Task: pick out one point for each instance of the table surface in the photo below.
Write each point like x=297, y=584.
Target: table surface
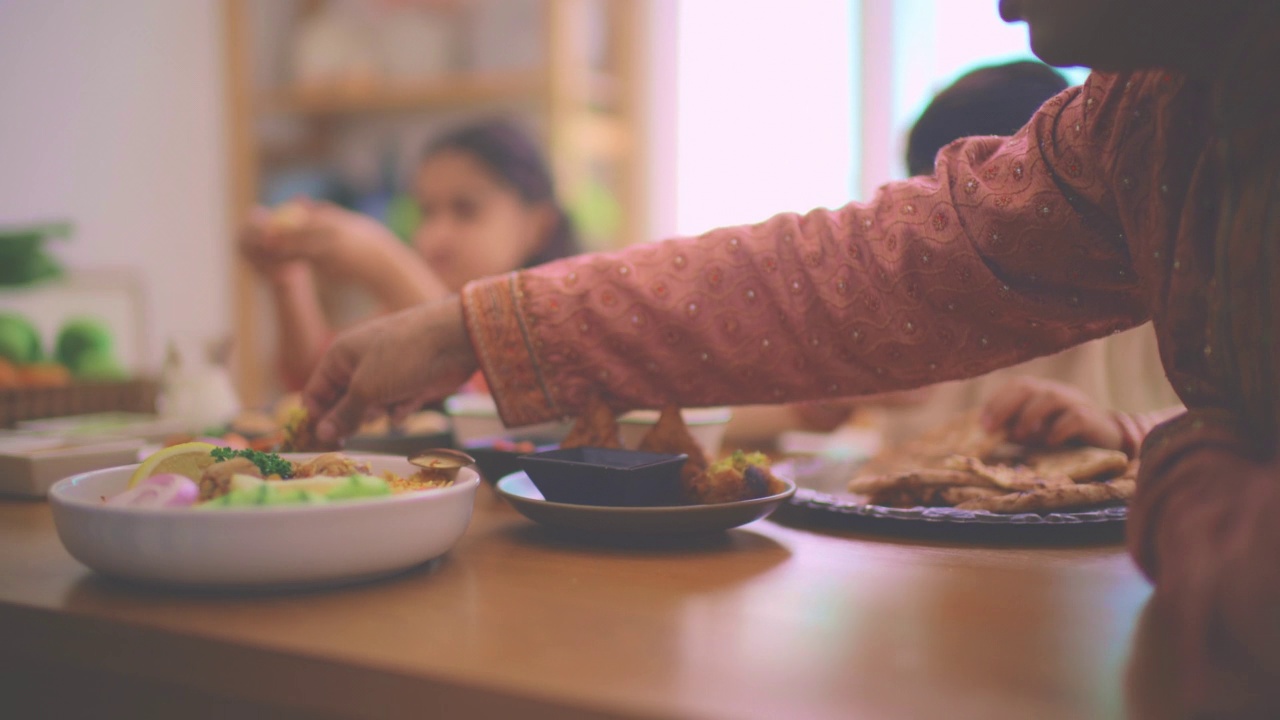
x=771, y=620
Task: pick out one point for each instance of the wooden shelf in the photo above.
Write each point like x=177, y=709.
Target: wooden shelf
x=463, y=91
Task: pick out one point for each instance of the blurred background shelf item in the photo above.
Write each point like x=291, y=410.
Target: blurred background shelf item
x=442, y=93
x=19, y=405
x=335, y=99
x=110, y=298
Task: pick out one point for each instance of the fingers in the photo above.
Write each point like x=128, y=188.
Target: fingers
x=342, y=420
x=1067, y=428
x=401, y=411
x=1004, y=406
x=328, y=382
x=1035, y=416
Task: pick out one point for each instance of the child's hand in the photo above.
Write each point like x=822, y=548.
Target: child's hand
x=1049, y=414
x=257, y=247
x=319, y=234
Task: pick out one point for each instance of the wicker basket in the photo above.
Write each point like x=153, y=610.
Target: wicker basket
x=77, y=399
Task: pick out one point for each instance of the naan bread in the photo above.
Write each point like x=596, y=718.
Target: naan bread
x=1055, y=499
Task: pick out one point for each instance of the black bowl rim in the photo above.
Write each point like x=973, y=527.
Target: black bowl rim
x=662, y=459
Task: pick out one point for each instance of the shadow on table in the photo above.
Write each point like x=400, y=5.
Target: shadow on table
x=727, y=541
x=95, y=589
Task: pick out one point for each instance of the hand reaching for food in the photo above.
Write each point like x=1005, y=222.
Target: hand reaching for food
x=392, y=365
x=1048, y=414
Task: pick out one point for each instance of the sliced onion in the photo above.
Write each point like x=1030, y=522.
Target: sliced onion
x=164, y=490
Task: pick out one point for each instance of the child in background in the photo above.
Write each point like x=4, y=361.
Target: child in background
x=488, y=206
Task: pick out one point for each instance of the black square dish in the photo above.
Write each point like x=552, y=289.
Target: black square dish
x=605, y=476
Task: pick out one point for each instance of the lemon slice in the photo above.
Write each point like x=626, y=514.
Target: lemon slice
x=189, y=459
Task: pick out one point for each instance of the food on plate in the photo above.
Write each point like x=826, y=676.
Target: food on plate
x=959, y=465
x=330, y=464
x=671, y=435
x=741, y=476
x=1081, y=464
x=163, y=490
x=1060, y=497
x=188, y=459
x=248, y=493
x=1008, y=477
x=595, y=427
x=297, y=432
x=205, y=475
x=269, y=464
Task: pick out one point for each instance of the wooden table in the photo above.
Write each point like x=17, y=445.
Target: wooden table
x=769, y=621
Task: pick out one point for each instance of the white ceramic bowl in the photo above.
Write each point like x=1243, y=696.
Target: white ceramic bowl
x=279, y=546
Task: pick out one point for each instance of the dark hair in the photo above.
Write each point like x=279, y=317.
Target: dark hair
x=994, y=100
x=515, y=161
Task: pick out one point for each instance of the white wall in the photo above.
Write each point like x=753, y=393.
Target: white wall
x=113, y=117
x=765, y=109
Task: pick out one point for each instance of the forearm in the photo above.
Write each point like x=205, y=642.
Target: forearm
x=302, y=328
x=393, y=273
x=1203, y=527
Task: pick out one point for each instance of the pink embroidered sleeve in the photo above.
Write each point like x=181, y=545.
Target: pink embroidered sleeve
x=1004, y=254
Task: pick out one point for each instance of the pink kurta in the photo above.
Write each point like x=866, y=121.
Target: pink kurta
x=1097, y=216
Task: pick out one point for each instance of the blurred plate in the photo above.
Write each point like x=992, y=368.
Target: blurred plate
x=520, y=491
x=818, y=500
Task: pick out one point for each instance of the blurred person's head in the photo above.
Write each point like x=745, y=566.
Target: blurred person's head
x=1117, y=35
x=488, y=205
x=996, y=100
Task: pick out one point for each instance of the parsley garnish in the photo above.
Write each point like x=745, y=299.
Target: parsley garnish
x=269, y=463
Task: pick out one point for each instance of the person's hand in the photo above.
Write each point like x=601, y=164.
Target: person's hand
x=1049, y=414
x=391, y=365
x=317, y=233
x=257, y=247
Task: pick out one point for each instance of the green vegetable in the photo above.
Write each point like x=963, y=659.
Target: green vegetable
x=19, y=340
x=739, y=461
x=251, y=492
x=359, y=486
x=268, y=463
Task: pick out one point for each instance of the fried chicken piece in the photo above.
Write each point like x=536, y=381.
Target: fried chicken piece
x=332, y=465
x=742, y=476
x=216, y=479
x=297, y=432
x=595, y=427
x=670, y=435
x=1057, y=498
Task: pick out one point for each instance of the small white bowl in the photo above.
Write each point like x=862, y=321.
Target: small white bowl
x=475, y=418
x=706, y=425
x=279, y=546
